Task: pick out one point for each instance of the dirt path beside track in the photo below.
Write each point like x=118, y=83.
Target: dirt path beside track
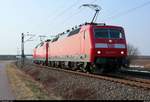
x=5, y=88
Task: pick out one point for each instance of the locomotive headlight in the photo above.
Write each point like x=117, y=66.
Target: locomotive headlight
x=98, y=52
x=122, y=52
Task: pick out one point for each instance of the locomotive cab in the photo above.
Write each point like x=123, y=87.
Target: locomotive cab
x=110, y=49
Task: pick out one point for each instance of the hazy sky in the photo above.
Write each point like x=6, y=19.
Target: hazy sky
x=49, y=17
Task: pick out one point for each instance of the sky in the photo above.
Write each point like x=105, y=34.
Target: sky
x=50, y=17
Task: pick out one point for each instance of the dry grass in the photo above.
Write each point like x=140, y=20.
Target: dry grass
x=142, y=62
x=24, y=87
x=147, y=66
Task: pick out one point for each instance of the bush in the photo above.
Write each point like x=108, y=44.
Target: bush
x=133, y=53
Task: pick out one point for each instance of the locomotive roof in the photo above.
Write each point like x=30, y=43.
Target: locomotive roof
x=76, y=30
x=101, y=24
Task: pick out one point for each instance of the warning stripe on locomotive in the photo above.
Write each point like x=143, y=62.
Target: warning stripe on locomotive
x=105, y=45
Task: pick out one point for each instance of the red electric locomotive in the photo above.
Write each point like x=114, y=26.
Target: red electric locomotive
x=92, y=47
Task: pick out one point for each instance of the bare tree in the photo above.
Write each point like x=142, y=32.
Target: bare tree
x=133, y=52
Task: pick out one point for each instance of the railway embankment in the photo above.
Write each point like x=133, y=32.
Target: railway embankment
x=25, y=87
x=70, y=86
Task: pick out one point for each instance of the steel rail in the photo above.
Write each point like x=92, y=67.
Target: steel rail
x=133, y=82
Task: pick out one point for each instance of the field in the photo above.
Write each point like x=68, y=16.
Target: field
x=142, y=62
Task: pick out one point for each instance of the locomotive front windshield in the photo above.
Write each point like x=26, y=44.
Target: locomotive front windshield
x=109, y=33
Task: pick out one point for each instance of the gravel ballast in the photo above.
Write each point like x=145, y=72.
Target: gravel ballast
x=70, y=86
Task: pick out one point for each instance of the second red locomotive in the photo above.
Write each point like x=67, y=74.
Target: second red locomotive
x=91, y=47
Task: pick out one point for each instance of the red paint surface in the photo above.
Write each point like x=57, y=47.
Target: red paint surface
x=81, y=44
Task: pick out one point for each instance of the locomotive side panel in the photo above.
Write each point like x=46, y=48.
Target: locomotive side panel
x=87, y=44
x=65, y=49
x=76, y=48
x=40, y=52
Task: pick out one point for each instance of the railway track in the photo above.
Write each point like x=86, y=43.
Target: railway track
x=126, y=80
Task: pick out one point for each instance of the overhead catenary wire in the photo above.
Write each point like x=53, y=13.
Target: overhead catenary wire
x=80, y=10
x=112, y=17
x=65, y=11
x=56, y=11
x=56, y=18
x=75, y=14
x=129, y=11
x=93, y=1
